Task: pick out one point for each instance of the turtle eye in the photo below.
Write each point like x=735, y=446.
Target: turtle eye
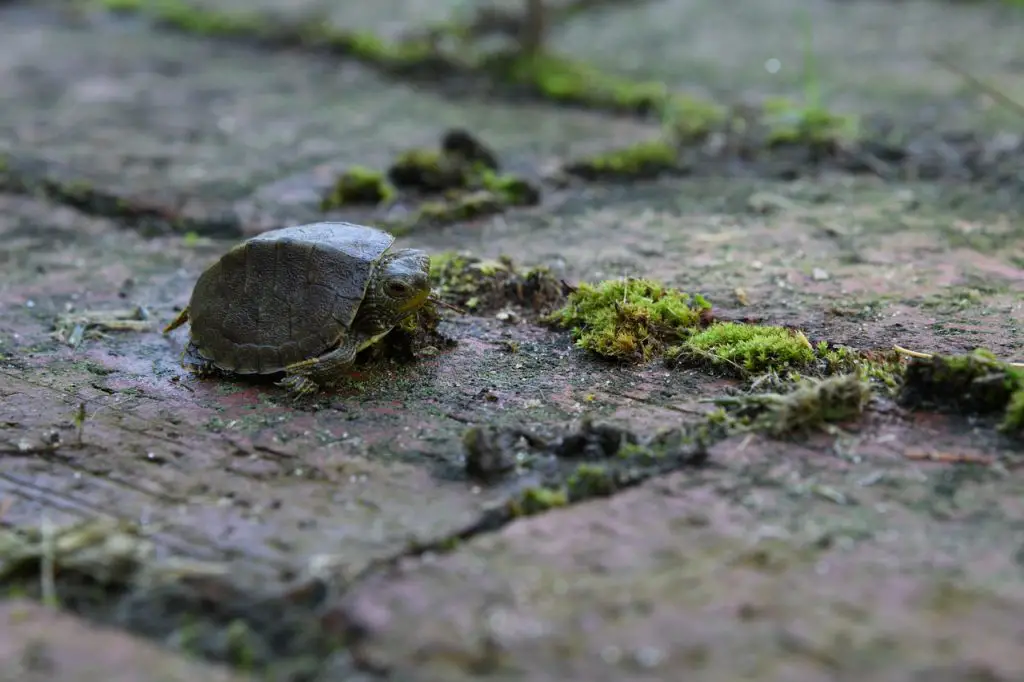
x=397, y=289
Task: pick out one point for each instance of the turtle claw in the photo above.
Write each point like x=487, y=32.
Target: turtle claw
x=300, y=386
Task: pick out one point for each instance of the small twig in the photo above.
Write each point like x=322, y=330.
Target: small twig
x=911, y=353
x=927, y=356
x=449, y=306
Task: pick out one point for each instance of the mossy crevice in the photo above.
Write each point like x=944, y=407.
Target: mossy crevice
x=592, y=460
x=25, y=175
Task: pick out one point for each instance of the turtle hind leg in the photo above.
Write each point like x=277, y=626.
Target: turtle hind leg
x=181, y=319
x=309, y=376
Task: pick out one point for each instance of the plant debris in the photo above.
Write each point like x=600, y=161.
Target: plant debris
x=809, y=405
x=72, y=328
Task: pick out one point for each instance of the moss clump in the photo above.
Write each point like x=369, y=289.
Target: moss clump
x=688, y=119
x=511, y=189
x=744, y=349
x=642, y=160
x=561, y=80
x=591, y=480
x=975, y=383
x=197, y=20
x=459, y=144
x=789, y=123
x=358, y=185
x=536, y=500
x=801, y=406
x=632, y=319
x=884, y=369
x=427, y=170
x=460, y=207
x=466, y=175
x=486, y=286
x=813, y=403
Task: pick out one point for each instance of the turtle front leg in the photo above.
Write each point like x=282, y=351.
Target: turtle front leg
x=309, y=376
x=196, y=363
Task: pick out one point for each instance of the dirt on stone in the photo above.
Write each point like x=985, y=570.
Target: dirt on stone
x=486, y=497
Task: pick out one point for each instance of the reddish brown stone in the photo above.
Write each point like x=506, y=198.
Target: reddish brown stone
x=37, y=644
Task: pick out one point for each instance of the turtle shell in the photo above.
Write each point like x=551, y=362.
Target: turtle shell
x=283, y=296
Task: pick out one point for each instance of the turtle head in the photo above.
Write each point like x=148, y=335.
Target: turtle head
x=400, y=288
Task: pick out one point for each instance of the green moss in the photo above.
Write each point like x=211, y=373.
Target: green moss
x=799, y=407
x=642, y=160
x=744, y=349
x=975, y=383
x=883, y=369
x=513, y=190
x=358, y=185
x=629, y=318
x=463, y=206
x=591, y=480
x=464, y=172
x=188, y=18
x=561, y=80
x=689, y=119
x=536, y=500
x=1013, y=419
x=195, y=19
x=813, y=403
x=790, y=123
x=427, y=170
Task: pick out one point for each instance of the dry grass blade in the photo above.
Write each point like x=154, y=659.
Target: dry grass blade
x=979, y=84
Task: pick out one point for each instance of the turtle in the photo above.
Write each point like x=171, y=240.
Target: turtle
x=302, y=300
